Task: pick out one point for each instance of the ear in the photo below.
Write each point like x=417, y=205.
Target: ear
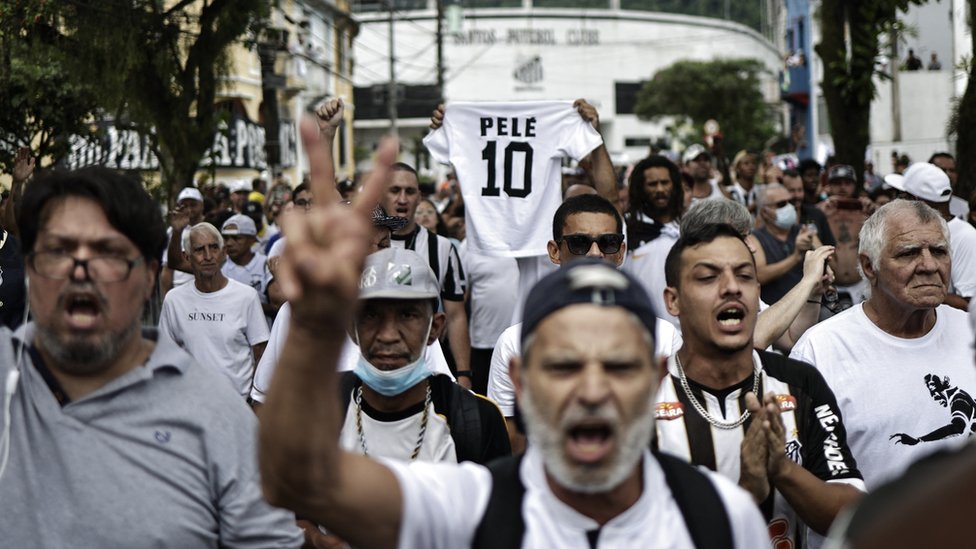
x=152, y=271
x=436, y=327
x=515, y=373
x=553, y=249
x=869, y=272
x=622, y=253
x=671, y=301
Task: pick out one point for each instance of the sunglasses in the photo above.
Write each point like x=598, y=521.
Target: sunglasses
x=580, y=244
x=780, y=204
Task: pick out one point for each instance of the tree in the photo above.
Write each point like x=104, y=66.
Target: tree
x=726, y=90
x=43, y=107
x=156, y=66
x=850, y=66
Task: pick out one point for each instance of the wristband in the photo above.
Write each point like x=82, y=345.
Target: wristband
x=463, y=373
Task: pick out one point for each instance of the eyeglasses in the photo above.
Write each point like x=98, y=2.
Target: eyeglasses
x=103, y=268
x=780, y=204
x=303, y=202
x=580, y=244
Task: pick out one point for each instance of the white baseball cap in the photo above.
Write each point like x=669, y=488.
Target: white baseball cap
x=397, y=273
x=189, y=193
x=240, y=186
x=239, y=224
x=928, y=182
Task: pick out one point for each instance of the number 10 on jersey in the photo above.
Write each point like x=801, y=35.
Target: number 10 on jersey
x=488, y=155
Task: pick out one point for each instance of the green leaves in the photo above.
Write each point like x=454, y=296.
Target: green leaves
x=725, y=89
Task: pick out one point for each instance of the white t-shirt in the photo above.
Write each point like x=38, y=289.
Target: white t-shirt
x=347, y=360
x=879, y=381
x=277, y=248
x=716, y=192
x=647, y=265
x=218, y=328
x=500, y=387
x=508, y=160
x=394, y=436
x=962, y=241
x=433, y=493
x=491, y=285
x=959, y=207
x=254, y=274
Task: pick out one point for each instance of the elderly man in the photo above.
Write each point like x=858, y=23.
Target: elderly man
x=791, y=452
x=930, y=184
x=895, y=345
x=392, y=394
x=216, y=319
x=115, y=439
x=781, y=242
x=589, y=375
x=583, y=227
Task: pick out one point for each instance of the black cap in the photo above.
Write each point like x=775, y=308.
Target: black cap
x=842, y=171
x=587, y=281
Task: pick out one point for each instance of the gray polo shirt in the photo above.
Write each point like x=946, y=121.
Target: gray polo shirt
x=162, y=456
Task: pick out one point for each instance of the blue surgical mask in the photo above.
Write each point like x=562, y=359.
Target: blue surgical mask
x=785, y=217
x=393, y=382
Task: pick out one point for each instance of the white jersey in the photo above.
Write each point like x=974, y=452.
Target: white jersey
x=434, y=492
x=254, y=274
x=509, y=345
x=882, y=387
x=507, y=157
x=436, y=362
x=441, y=256
x=962, y=242
x=217, y=328
x=491, y=284
x=647, y=265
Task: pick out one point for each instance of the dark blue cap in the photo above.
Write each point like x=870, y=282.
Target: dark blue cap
x=587, y=281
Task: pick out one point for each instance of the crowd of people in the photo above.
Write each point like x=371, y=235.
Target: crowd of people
x=692, y=352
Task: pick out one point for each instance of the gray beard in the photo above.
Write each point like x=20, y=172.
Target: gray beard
x=632, y=441
x=80, y=357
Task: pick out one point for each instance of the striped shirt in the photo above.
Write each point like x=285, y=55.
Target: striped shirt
x=815, y=435
x=442, y=257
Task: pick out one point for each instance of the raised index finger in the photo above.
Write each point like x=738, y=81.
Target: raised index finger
x=374, y=184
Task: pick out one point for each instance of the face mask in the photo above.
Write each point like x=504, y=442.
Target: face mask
x=393, y=382
x=785, y=217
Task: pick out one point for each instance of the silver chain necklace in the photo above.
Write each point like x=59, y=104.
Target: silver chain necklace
x=423, y=422
x=721, y=424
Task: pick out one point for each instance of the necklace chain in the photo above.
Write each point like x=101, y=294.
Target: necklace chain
x=423, y=422
x=721, y=424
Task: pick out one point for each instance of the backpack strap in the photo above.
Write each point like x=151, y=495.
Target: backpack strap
x=347, y=382
x=464, y=418
x=502, y=525
x=700, y=504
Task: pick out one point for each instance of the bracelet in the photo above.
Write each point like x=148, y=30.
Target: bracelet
x=814, y=301
x=463, y=373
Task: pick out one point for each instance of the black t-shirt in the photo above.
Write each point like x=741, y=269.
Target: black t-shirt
x=12, y=290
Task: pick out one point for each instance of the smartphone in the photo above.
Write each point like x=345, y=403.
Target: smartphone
x=848, y=204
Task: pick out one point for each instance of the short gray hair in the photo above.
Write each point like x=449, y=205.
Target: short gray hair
x=715, y=211
x=762, y=192
x=873, y=233
x=202, y=227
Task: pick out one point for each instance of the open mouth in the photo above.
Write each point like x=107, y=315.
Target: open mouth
x=82, y=309
x=590, y=442
x=731, y=316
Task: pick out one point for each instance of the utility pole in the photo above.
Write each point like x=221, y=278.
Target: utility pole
x=391, y=92
x=440, y=50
